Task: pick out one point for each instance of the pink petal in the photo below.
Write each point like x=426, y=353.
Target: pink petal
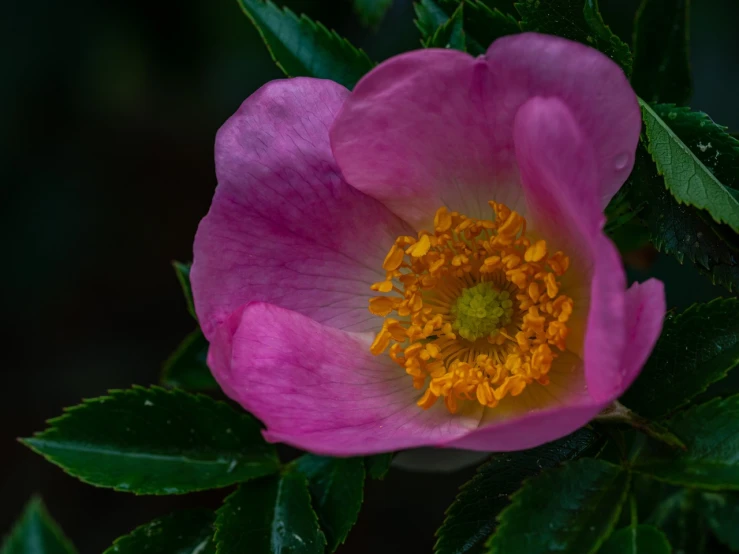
x=529, y=430
x=591, y=85
x=420, y=131
x=318, y=388
x=441, y=123
x=553, y=155
x=284, y=226
x=645, y=314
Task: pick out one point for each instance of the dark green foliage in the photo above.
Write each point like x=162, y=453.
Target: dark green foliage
x=154, y=441
x=721, y=511
x=378, y=465
x=638, y=539
x=301, y=47
x=470, y=26
x=182, y=271
x=711, y=460
x=450, y=34
x=697, y=348
x=271, y=515
x=429, y=17
x=571, y=510
x=687, y=178
x=36, y=533
x=708, y=141
x=578, y=20
x=678, y=519
x=186, y=368
x=484, y=25
x=337, y=489
x=472, y=517
x=661, y=51
x=372, y=12
x=179, y=533
x=681, y=230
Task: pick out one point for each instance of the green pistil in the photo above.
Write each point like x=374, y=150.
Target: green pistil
x=481, y=311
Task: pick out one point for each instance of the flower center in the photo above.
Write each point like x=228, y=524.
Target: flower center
x=481, y=311
x=477, y=313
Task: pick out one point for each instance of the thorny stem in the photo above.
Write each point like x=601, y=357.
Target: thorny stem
x=618, y=413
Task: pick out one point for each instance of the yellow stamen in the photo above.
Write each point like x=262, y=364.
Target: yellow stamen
x=479, y=314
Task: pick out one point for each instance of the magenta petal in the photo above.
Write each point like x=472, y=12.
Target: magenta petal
x=645, y=314
x=284, y=226
x=554, y=159
x=420, y=131
x=530, y=430
x=318, y=388
x=591, y=85
x=435, y=127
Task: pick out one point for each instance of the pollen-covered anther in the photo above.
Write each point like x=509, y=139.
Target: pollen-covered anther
x=474, y=311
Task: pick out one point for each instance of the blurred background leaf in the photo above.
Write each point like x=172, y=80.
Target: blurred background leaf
x=662, y=51
x=36, y=533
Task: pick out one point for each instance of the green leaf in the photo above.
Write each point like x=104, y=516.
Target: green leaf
x=301, y=47
x=577, y=20
x=470, y=520
x=721, y=511
x=272, y=515
x=186, y=368
x=503, y=6
x=450, y=34
x=484, y=25
x=684, y=528
x=661, y=57
x=470, y=26
x=378, y=465
x=337, y=488
x=640, y=539
x=681, y=230
x=572, y=509
x=429, y=17
x=36, y=533
x=179, y=533
x=155, y=441
x=182, y=271
x=697, y=348
x=372, y=12
x=687, y=178
x=711, y=461
x=710, y=142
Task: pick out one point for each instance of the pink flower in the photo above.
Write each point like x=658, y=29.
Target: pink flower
x=421, y=261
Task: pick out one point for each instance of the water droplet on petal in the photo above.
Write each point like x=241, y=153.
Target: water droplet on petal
x=621, y=161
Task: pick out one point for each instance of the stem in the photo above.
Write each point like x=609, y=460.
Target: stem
x=618, y=413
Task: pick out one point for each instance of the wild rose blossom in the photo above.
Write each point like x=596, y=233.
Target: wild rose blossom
x=421, y=261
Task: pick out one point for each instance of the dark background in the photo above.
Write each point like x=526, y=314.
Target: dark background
x=109, y=113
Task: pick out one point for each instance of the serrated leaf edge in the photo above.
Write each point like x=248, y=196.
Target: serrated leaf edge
x=694, y=309
x=69, y=411
x=314, y=26
x=690, y=412
x=113, y=548
x=682, y=146
x=515, y=499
